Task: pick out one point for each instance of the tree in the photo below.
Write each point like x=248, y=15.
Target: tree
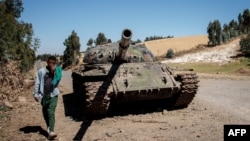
x=109, y=41
x=225, y=33
x=137, y=41
x=90, y=42
x=36, y=44
x=232, y=29
x=233, y=25
x=246, y=20
x=14, y=7
x=214, y=33
x=100, y=39
x=245, y=45
x=72, y=50
x=16, y=37
x=240, y=20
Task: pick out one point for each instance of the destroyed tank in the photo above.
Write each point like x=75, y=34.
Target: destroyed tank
x=125, y=72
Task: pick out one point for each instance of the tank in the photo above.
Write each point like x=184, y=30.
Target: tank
x=125, y=72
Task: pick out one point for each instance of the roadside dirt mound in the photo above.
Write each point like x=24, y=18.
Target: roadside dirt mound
x=11, y=81
x=243, y=71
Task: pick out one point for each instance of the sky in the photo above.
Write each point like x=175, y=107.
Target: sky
x=54, y=20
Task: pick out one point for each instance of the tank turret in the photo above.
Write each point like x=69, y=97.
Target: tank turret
x=122, y=51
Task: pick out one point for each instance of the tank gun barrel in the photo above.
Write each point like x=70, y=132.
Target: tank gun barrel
x=124, y=43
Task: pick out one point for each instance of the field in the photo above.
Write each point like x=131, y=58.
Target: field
x=178, y=44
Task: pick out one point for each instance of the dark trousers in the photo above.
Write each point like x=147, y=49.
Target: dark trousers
x=48, y=108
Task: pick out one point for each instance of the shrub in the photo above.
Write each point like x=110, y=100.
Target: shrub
x=245, y=45
x=170, y=53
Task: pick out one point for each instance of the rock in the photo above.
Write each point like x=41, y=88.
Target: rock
x=22, y=100
x=164, y=112
x=109, y=134
x=28, y=83
x=8, y=104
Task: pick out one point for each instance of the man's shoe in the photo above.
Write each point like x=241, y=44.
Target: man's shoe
x=52, y=136
x=48, y=130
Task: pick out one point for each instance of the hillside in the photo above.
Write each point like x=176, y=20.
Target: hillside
x=220, y=54
x=178, y=44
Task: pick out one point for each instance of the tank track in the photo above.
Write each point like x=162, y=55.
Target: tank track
x=189, y=85
x=97, y=99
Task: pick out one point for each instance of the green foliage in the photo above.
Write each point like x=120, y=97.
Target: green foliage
x=170, y=53
x=100, y=39
x=245, y=45
x=109, y=41
x=28, y=61
x=225, y=36
x=90, y=42
x=246, y=21
x=36, y=44
x=16, y=38
x=137, y=41
x=232, y=29
x=44, y=57
x=214, y=33
x=72, y=50
x=14, y=7
x=157, y=38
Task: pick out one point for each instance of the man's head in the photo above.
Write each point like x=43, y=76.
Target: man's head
x=51, y=63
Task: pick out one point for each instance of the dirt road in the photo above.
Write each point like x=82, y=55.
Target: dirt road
x=219, y=101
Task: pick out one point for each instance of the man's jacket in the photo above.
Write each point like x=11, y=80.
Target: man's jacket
x=39, y=84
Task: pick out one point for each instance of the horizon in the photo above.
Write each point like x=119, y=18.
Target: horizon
x=54, y=21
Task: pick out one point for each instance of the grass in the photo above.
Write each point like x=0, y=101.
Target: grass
x=240, y=67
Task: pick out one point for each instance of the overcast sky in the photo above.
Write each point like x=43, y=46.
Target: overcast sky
x=54, y=20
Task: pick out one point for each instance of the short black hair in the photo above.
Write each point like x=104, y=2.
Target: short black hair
x=52, y=58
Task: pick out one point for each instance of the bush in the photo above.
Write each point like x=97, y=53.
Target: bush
x=245, y=45
x=170, y=53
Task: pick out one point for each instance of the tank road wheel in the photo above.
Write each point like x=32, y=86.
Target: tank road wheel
x=189, y=85
x=97, y=99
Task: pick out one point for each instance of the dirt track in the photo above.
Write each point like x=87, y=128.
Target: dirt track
x=219, y=101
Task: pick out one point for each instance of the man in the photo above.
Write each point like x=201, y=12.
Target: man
x=46, y=92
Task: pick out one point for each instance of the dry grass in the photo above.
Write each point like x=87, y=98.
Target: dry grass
x=178, y=44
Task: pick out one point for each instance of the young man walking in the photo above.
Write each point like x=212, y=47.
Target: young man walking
x=46, y=92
